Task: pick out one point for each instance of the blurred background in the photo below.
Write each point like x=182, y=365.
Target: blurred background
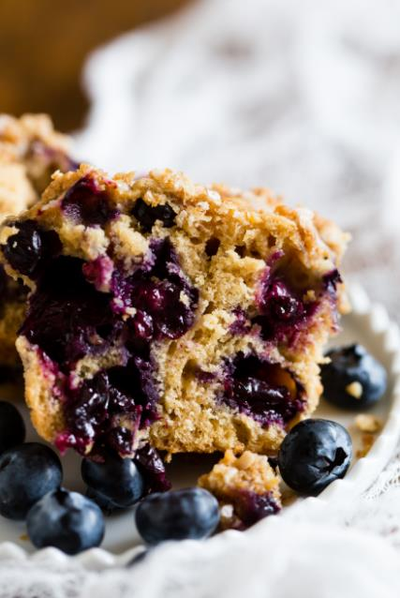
x=44, y=44
x=302, y=96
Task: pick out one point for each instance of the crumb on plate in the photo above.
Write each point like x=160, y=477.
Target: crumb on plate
x=368, y=423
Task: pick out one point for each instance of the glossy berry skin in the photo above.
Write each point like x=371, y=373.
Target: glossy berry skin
x=116, y=479
x=12, y=427
x=315, y=453
x=30, y=247
x=27, y=472
x=105, y=504
x=177, y=515
x=353, y=379
x=66, y=520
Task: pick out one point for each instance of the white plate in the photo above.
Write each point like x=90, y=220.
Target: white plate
x=369, y=325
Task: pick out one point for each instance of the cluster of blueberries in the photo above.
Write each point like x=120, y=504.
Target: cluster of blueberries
x=30, y=489
x=314, y=453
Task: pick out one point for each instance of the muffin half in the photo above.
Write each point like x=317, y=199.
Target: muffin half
x=192, y=318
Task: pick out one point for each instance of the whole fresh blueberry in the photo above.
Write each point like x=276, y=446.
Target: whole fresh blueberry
x=12, y=427
x=27, y=472
x=66, y=520
x=30, y=247
x=315, y=453
x=353, y=378
x=177, y=515
x=115, y=478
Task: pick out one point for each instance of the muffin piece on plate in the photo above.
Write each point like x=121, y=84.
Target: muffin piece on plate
x=30, y=151
x=246, y=487
x=161, y=311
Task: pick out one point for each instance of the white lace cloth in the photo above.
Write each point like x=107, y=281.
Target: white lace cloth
x=302, y=95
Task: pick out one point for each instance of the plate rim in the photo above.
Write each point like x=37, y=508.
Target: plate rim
x=359, y=478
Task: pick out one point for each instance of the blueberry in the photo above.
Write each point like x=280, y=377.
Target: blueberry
x=353, y=378
x=261, y=390
x=28, y=249
x=86, y=203
x=12, y=427
x=281, y=302
x=27, y=473
x=177, y=515
x=66, y=520
x=147, y=215
x=314, y=454
x=283, y=313
x=115, y=478
x=24, y=248
x=66, y=312
x=139, y=558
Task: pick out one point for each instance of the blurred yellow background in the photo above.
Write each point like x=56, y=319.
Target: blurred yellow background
x=43, y=46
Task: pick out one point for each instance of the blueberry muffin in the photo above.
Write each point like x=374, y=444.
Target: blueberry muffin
x=246, y=487
x=160, y=311
x=30, y=151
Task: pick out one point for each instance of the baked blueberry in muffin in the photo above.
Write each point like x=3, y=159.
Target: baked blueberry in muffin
x=30, y=151
x=162, y=312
